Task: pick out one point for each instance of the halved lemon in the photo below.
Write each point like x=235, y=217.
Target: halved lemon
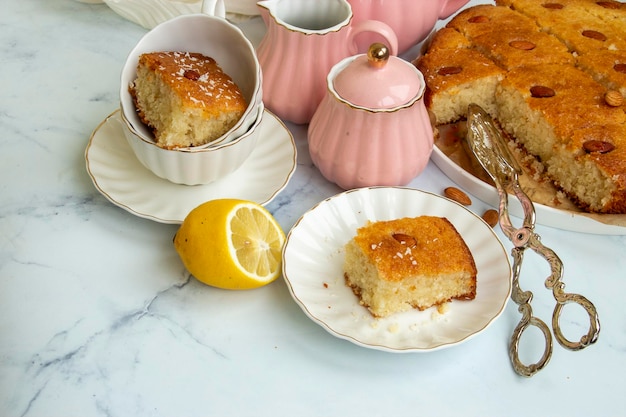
x=231, y=243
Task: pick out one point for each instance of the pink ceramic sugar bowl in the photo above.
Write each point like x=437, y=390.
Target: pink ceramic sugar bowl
x=372, y=127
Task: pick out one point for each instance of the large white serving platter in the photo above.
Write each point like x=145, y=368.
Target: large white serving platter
x=313, y=259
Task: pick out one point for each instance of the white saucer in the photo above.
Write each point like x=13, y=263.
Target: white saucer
x=120, y=177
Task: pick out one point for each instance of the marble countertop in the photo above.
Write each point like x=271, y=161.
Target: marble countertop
x=98, y=316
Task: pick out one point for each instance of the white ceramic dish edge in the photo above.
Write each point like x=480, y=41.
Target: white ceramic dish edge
x=545, y=215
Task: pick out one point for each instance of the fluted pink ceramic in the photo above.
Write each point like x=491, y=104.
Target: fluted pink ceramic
x=304, y=39
x=411, y=20
x=372, y=127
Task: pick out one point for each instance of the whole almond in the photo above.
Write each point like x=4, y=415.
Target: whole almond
x=449, y=70
x=594, y=34
x=491, y=217
x=192, y=75
x=457, y=195
x=620, y=67
x=599, y=146
x=404, y=239
x=478, y=19
x=541, y=91
x=523, y=45
x=553, y=6
x=614, y=98
x=609, y=4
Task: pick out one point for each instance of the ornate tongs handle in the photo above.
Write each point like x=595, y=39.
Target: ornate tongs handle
x=555, y=283
x=493, y=154
x=525, y=238
x=523, y=299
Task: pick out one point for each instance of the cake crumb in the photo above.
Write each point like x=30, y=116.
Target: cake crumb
x=443, y=308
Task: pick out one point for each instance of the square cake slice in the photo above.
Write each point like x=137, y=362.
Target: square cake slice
x=454, y=79
x=398, y=265
x=186, y=98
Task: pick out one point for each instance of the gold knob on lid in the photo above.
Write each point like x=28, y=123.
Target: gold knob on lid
x=378, y=55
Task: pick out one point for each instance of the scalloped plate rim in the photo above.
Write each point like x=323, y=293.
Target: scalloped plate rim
x=105, y=183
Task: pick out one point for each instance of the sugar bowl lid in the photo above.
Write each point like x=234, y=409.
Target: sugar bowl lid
x=378, y=80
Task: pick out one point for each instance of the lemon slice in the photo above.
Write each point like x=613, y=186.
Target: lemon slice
x=230, y=243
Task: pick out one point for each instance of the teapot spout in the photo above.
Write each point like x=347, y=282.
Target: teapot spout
x=448, y=7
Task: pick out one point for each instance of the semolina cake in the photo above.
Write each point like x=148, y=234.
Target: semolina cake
x=573, y=23
x=186, y=98
x=560, y=94
x=586, y=33
x=402, y=264
x=486, y=18
x=609, y=10
x=448, y=38
x=548, y=111
x=515, y=48
x=455, y=78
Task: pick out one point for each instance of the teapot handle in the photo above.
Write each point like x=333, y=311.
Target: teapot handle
x=376, y=27
x=214, y=8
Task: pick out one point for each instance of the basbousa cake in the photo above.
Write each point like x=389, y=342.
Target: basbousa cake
x=398, y=265
x=186, y=98
x=563, y=66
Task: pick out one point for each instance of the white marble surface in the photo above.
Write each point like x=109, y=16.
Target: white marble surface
x=99, y=318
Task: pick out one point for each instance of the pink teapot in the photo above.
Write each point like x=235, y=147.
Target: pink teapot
x=304, y=39
x=372, y=127
x=411, y=20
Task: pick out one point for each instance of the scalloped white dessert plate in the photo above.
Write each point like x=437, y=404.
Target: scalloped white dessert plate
x=313, y=259
x=560, y=219
x=123, y=180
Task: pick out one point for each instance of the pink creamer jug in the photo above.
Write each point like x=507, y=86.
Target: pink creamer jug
x=411, y=20
x=304, y=39
x=372, y=127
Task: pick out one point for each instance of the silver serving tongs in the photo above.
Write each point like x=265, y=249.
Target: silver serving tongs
x=494, y=156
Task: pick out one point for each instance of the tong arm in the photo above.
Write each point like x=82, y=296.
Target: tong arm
x=523, y=299
x=555, y=283
x=520, y=238
x=495, y=157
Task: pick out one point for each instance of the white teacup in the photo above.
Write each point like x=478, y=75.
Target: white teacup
x=210, y=34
